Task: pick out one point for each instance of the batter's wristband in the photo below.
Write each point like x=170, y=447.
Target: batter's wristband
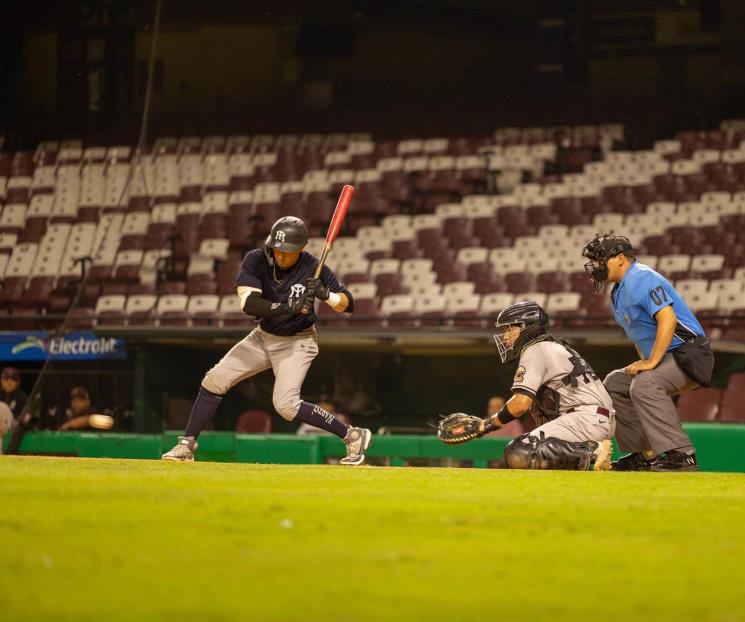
x=504, y=415
x=333, y=300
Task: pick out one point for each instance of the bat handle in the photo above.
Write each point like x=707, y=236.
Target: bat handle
x=322, y=260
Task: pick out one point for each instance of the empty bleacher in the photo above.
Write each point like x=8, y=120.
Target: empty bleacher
x=442, y=231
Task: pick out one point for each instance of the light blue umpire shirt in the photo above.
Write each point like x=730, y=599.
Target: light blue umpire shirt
x=640, y=294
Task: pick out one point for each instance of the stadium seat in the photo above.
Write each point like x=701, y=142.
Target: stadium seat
x=110, y=309
x=730, y=303
x=230, y=311
x=668, y=265
x=702, y=303
x=731, y=407
x=563, y=303
x=470, y=255
x=139, y=309
x=736, y=383
x=492, y=304
x=699, y=405
x=464, y=309
x=686, y=287
x=458, y=289
x=723, y=287
x=430, y=309
x=254, y=422
x=398, y=309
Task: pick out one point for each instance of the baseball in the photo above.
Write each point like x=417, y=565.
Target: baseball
x=101, y=422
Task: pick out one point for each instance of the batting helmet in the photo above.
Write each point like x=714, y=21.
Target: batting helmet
x=288, y=234
x=529, y=317
x=599, y=250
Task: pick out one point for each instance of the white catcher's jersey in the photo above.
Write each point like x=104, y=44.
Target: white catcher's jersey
x=559, y=378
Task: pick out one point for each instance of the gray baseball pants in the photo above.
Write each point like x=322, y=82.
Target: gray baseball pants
x=583, y=424
x=289, y=358
x=647, y=419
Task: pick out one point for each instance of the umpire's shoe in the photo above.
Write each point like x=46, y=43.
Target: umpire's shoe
x=631, y=462
x=357, y=441
x=183, y=451
x=674, y=460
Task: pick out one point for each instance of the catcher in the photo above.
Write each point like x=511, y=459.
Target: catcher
x=573, y=410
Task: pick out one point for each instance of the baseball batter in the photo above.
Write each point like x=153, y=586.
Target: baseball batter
x=556, y=385
x=276, y=286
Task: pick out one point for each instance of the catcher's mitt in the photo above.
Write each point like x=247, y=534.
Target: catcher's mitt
x=459, y=428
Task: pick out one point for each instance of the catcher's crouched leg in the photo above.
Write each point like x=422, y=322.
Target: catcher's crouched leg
x=532, y=452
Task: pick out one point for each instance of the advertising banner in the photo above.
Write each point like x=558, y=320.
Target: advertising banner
x=77, y=346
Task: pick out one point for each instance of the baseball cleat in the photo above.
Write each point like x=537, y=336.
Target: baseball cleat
x=183, y=451
x=601, y=456
x=631, y=462
x=357, y=441
x=674, y=461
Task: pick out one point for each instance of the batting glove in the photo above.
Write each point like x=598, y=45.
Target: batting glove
x=314, y=287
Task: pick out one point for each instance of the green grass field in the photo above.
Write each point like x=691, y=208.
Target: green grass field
x=136, y=540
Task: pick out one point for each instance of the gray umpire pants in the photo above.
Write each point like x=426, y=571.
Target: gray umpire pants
x=289, y=358
x=646, y=418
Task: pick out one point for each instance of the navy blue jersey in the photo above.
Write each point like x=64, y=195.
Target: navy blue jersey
x=278, y=285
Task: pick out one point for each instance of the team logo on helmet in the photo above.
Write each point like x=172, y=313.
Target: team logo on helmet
x=289, y=234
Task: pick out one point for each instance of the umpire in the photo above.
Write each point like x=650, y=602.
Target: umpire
x=675, y=356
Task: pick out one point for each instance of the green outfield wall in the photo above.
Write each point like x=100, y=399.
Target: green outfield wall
x=720, y=447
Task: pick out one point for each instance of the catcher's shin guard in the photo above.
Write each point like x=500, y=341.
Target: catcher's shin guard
x=531, y=452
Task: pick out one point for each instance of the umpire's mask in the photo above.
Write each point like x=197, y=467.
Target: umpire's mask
x=599, y=250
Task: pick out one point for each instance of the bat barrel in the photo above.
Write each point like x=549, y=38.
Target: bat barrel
x=339, y=213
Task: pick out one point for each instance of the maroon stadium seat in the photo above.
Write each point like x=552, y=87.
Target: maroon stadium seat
x=519, y=282
x=254, y=422
x=549, y=282
x=731, y=408
x=736, y=382
x=388, y=284
x=12, y=290
x=327, y=315
x=699, y=405
x=366, y=312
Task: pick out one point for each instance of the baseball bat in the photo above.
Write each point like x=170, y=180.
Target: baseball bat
x=336, y=222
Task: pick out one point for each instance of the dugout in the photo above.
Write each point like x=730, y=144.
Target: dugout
x=398, y=378
x=101, y=365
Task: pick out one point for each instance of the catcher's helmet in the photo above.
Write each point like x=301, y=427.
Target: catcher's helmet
x=288, y=234
x=599, y=250
x=529, y=317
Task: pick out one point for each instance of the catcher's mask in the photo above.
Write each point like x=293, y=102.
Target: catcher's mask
x=532, y=322
x=599, y=250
